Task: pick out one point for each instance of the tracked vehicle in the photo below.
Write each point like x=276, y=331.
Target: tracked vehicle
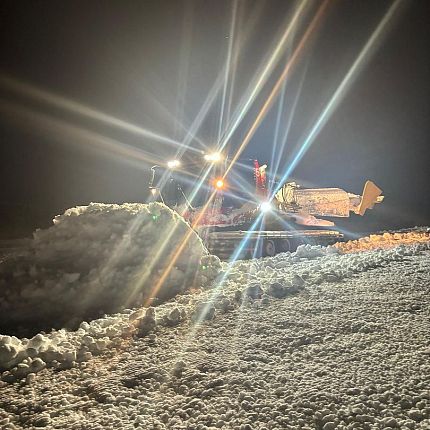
x=243, y=218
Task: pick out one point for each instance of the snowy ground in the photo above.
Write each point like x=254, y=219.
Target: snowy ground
x=312, y=340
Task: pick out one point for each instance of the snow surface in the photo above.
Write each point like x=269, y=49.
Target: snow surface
x=311, y=339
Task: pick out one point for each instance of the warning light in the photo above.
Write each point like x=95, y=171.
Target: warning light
x=219, y=184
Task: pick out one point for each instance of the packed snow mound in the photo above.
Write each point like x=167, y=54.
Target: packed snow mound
x=100, y=259
x=386, y=240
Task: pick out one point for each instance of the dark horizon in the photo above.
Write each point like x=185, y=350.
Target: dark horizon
x=152, y=64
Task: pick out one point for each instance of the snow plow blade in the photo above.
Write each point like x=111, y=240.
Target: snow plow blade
x=371, y=195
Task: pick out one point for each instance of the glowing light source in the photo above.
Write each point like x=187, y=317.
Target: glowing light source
x=213, y=157
x=219, y=184
x=265, y=207
x=172, y=164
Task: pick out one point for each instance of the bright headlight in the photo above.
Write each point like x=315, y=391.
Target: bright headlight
x=172, y=164
x=265, y=207
x=213, y=157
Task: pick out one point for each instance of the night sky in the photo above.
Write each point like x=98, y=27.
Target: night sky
x=153, y=63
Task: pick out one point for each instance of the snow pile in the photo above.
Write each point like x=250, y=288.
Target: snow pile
x=100, y=259
x=241, y=284
x=385, y=240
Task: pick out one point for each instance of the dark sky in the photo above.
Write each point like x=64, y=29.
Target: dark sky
x=153, y=63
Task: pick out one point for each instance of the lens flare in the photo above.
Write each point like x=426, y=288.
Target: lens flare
x=341, y=91
x=278, y=85
x=66, y=104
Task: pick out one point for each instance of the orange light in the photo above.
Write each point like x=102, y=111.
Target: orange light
x=219, y=184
